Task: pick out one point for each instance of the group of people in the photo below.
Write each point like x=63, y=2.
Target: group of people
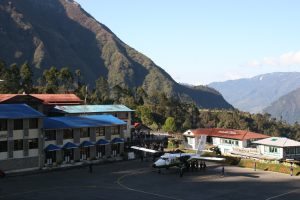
x=194, y=165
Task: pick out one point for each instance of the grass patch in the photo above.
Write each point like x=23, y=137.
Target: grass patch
x=268, y=166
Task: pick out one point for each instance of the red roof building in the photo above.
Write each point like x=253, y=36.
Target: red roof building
x=59, y=99
x=41, y=102
x=225, y=139
x=48, y=99
x=228, y=133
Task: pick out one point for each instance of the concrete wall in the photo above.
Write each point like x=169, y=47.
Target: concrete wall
x=21, y=163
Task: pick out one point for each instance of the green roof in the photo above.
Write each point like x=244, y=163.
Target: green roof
x=91, y=109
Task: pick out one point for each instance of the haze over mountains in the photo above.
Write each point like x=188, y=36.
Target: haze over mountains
x=60, y=33
x=255, y=94
x=287, y=107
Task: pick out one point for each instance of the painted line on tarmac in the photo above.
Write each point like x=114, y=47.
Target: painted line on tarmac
x=280, y=195
x=119, y=182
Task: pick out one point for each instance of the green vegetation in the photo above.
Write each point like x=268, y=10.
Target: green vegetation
x=259, y=123
x=268, y=166
x=156, y=109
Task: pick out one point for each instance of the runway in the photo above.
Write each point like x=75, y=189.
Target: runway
x=137, y=180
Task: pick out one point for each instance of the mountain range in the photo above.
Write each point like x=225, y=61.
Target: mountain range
x=256, y=93
x=286, y=108
x=60, y=33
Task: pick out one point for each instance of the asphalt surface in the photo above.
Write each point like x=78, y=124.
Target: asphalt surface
x=136, y=180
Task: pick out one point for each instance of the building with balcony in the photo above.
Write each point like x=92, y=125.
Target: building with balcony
x=78, y=138
x=20, y=137
x=120, y=111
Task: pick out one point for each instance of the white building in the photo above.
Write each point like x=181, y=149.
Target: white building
x=279, y=148
x=225, y=139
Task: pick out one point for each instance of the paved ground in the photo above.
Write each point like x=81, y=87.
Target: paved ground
x=136, y=180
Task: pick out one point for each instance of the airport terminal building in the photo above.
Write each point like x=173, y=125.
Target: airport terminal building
x=30, y=139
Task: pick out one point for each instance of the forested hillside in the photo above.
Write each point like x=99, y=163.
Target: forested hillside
x=60, y=33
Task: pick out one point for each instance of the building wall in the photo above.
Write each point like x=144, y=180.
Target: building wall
x=18, y=164
x=25, y=157
x=263, y=150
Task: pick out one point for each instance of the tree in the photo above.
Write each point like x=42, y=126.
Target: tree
x=66, y=79
x=26, y=75
x=12, y=79
x=50, y=80
x=169, y=125
x=101, y=92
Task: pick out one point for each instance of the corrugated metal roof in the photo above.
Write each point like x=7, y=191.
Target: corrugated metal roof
x=278, y=142
x=91, y=109
x=18, y=111
x=81, y=121
x=227, y=133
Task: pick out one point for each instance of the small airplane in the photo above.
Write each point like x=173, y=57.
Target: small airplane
x=181, y=160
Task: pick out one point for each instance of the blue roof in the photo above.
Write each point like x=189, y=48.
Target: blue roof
x=117, y=140
x=91, y=109
x=69, y=145
x=102, y=142
x=86, y=144
x=81, y=121
x=52, y=147
x=18, y=111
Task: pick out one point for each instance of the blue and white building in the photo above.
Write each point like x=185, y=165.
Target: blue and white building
x=119, y=111
x=279, y=148
x=20, y=137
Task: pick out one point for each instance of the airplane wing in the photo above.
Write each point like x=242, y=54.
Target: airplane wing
x=197, y=157
x=144, y=149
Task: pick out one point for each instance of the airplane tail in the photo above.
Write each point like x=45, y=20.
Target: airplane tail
x=201, y=145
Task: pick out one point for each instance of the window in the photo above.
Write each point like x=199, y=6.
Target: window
x=271, y=149
x=68, y=133
x=3, y=146
x=33, y=123
x=292, y=150
x=100, y=131
x=298, y=150
x=33, y=143
x=50, y=135
x=230, y=142
x=115, y=130
x=18, y=145
x=84, y=132
x=3, y=125
x=18, y=124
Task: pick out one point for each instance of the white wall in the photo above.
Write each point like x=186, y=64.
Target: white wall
x=33, y=133
x=33, y=152
x=18, y=134
x=18, y=154
x=277, y=155
x=3, y=155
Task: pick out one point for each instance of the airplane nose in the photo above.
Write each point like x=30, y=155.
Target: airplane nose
x=154, y=165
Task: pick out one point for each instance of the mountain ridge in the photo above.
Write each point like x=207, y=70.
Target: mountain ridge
x=256, y=93
x=286, y=108
x=61, y=33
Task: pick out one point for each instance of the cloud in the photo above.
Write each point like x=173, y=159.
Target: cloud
x=284, y=60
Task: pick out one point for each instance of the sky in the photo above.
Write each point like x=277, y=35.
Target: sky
x=204, y=41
